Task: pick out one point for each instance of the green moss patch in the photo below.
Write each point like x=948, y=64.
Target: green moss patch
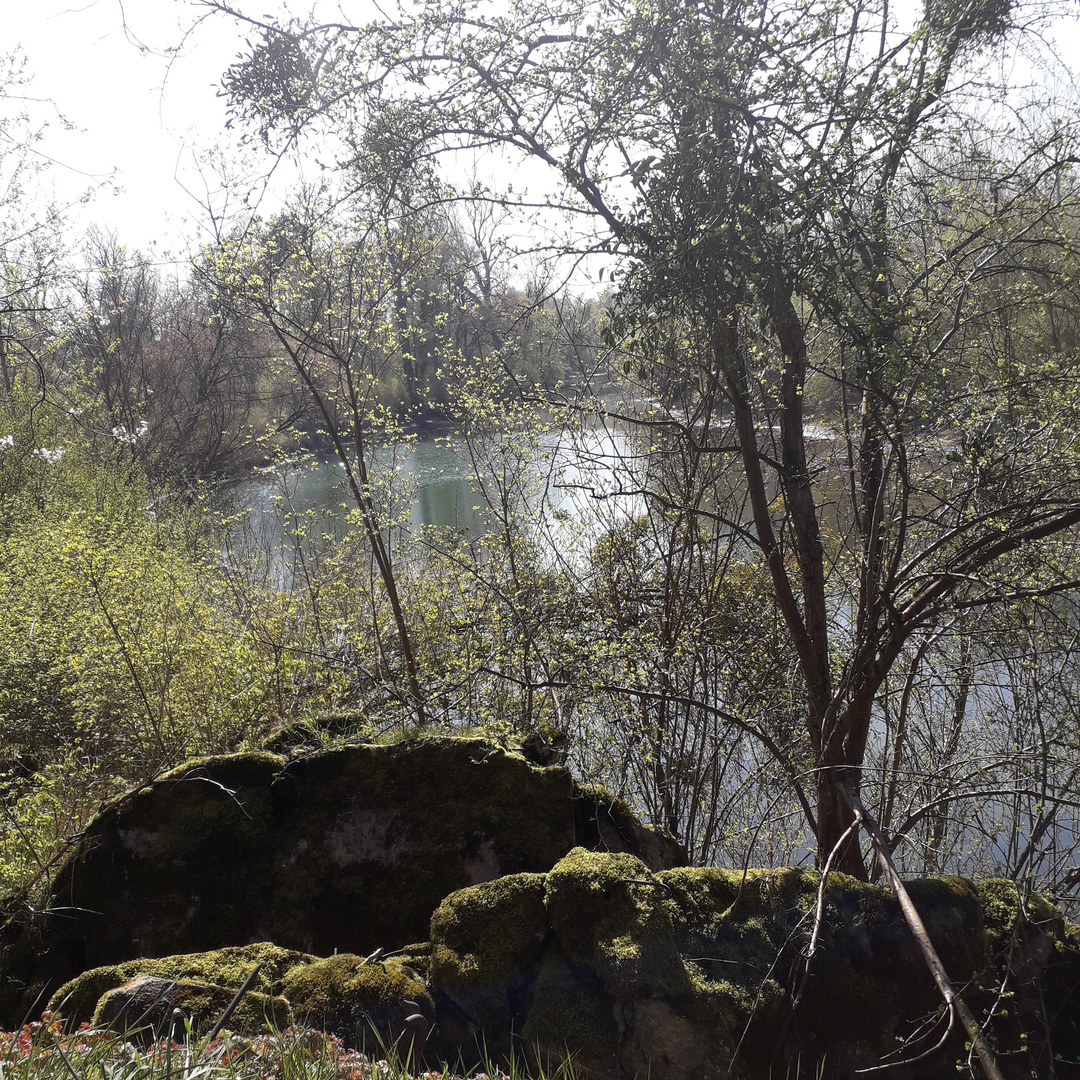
x=609, y=910
x=77, y=1000
x=487, y=941
x=362, y=1001
x=571, y=1013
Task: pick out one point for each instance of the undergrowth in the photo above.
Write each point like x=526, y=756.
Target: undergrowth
x=43, y=1050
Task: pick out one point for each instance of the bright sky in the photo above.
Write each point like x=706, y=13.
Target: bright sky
x=143, y=122
x=139, y=125
x=143, y=125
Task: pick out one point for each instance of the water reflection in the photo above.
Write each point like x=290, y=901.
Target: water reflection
x=569, y=486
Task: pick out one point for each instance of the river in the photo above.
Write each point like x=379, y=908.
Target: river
x=571, y=484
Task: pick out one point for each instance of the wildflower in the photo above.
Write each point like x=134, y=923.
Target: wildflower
x=7, y=442
x=121, y=433
x=50, y=457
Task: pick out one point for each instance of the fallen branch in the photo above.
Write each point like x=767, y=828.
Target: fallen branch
x=922, y=937
x=231, y=1007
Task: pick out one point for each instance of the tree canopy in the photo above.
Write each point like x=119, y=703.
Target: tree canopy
x=809, y=207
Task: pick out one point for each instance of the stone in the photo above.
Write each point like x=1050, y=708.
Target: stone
x=143, y=1005
x=364, y=1002
x=683, y=974
x=348, y=849
x=690, y=973
x=78, y=999
x=148, y=1008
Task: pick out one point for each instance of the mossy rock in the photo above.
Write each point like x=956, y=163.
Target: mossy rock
x=604, y=822
x=364, y=1002
x=348, y=849
x=693, y=973
x=149, y=1005
x=571, y=1014
x=486, y=944
x=381, y=834
x=609, y=911
x=1004, y=904
x=76, y=1000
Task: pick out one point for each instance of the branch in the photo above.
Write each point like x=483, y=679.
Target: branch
x=922, y=938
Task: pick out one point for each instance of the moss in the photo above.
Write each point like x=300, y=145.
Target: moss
x=609, y=910
x=1003, y=903
x=952, y=911
x=357, y=999
x=397, y=826
x=203, y=1004
x=745, y=1017
x=739, y=925
x=76, y=1000
x=571, y=1013
x=486, y=943
x=418, y=957
x=235, y=771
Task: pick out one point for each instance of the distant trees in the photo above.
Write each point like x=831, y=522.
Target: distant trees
x=182, y=386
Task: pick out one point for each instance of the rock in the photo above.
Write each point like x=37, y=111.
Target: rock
x=603, y=822
x=78, y=1000
x=364, y=1002
x=346, y=849
x=487, y=944
x=684, y=974
x=143, y=1006
x=691, y=973
x=149, y=1008
x=408, y=1048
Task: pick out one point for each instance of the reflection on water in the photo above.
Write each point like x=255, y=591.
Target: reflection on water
x=570, y=485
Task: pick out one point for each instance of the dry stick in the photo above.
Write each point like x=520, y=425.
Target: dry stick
x=922, y=938
x=231, y=1007
x=819, y=917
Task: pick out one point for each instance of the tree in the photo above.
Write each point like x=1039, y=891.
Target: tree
x=333, y=302
x=183, y=388
x=811, y=191
x=30, y=252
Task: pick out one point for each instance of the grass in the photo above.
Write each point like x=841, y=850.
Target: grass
x=43, y=1050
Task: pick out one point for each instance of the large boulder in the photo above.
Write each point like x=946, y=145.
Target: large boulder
x=677, y=975
x=699, y=973
x=348, y=849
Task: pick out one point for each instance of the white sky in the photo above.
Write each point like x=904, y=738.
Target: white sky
x=143, y=124
x=136, y=129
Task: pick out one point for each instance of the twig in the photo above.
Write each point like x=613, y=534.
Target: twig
x=922, y=938
x=819, y=915
x=231, y=1007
